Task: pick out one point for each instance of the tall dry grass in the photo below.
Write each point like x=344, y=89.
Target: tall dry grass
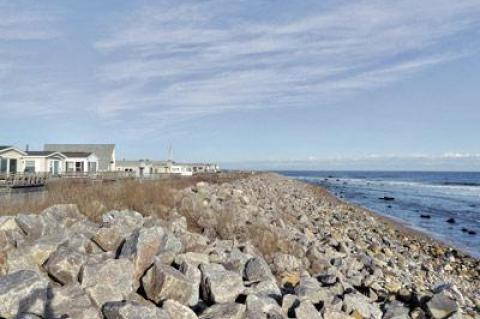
x=148, y=197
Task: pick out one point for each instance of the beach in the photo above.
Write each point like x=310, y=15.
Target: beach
x=259, y=246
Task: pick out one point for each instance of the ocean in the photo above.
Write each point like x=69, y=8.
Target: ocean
x=445, y=205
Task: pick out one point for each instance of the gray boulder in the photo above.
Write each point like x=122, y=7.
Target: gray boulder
x=109, y=238
x=441, y=306
x=162, y=282
x=141, y=247
x=306, y=310
x=72, y=302
x=132, y=310
x=109, y=280
x=177, y=310
x=224, y=311
x=360, y=303
x=35, y=226
x=257, y=269
x=220, y=285
x=309, y=289
x=21, y=292
x=64, y=265
x=64, y=214
x=396, y=310
x=194, y=275
x=264, y=305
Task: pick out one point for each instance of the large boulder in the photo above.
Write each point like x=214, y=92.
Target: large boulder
x=109, y=238
x=177, y=310
x=72, y=302
x=264, y=305
x=64, y=265
x=133, y=310
x=142, y=246
x=356, y=302
x=36, y=226
x=220, y=285
x=109, y=280
x=306, y=310
x=24, y=291
x=162, y=282
x=257, y=269
x=194, y=276
x=224, y=311
x=64, y=214
x=441, y=306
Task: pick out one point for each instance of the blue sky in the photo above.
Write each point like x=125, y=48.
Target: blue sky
x=270, y=84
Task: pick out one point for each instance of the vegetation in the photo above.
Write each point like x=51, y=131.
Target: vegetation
x=155, y=197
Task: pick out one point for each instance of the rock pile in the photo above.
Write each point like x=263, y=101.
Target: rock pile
x=262, y=247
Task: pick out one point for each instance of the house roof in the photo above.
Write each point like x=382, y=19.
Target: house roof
x=2, y=147
x=76, y=154
x=104, y=152
x=39, y=153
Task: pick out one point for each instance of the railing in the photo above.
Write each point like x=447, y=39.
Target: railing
x=22, y=180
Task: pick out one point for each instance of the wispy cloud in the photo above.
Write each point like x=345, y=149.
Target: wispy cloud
x=26, y=89
x=178, y=61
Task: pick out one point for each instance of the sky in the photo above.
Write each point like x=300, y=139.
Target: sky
x=270, y=84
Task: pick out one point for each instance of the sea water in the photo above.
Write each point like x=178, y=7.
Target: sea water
x=422, y=200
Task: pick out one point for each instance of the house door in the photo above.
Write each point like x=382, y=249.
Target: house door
x=56, y=167
x=13, y=166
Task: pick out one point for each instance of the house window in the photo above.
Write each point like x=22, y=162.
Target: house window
x=78, y=167
x=29, y=166
x=3, y=165
x=70, y=167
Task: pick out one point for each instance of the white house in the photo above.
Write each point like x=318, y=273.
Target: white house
x=104, y=152
x=137, y=168
x=11, y=160
x=14, y=160
x=43, y=162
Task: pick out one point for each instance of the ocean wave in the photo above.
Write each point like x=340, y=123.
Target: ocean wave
x=447, y=189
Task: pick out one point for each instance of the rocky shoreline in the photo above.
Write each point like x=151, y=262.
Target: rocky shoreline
x=258, y=247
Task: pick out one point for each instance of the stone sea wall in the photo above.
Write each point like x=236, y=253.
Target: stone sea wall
x=259, y=247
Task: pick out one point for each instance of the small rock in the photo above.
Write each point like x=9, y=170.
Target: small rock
x=451, y=221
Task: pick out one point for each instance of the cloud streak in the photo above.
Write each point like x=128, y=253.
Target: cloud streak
x=178, y=61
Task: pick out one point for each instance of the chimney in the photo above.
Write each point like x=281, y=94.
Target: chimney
x=27, y=148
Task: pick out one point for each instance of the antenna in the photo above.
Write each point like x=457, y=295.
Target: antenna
x=170, y=153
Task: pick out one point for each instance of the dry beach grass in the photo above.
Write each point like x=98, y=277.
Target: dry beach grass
x=149, y=197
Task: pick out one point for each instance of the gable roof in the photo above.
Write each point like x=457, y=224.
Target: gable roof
x=5, y=148
x=104, y=152
x=77, y=154
x=39, y=153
